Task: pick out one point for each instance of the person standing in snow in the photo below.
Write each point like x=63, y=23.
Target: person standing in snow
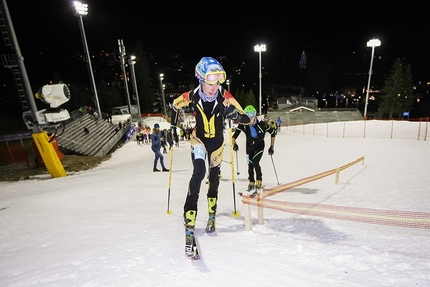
x=210, y=104
x=279, y=123
x=156, y=138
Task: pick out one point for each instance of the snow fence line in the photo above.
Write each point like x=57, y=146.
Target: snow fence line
x=398, y=218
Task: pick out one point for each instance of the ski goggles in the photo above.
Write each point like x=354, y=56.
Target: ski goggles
x=214, y=77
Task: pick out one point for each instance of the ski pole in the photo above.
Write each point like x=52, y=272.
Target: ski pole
x=237, y=163
x=235, y=213
x=273, y=163
x=170, y=180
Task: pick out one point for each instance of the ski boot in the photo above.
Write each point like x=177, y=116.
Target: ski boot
x=252, y=188
x=258, y=184
x=210, y=227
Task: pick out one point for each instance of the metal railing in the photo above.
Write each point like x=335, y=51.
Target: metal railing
x=401, y=129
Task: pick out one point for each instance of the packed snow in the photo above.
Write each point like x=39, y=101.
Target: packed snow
x=120, y=224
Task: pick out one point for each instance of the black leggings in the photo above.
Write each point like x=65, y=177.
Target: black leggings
x=254, y=164
x=199, y=171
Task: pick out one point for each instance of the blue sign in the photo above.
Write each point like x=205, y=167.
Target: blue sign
x=130, y=132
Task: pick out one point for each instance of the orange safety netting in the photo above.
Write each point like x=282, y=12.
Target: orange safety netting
x=366, y=215
x=358, y=214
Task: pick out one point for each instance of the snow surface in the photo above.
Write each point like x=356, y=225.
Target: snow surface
x=109, y=226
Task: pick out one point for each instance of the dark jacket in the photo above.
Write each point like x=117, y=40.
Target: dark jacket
x=155, y=140
x=255, y=133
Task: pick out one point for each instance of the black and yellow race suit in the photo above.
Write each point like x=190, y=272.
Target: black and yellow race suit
x=255, y=145
x=209, y=132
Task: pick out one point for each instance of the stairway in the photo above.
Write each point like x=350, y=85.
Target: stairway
x=11, y=61
x=308, y=116
x=100, y=140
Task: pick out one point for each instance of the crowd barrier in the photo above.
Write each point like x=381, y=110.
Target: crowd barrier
x=366, y=215
x=13, y=150
x=366, y=129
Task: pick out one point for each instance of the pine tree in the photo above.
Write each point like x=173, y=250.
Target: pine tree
x=245, y=99
x=143, y=79
x=109, y=96
x=240, y=97
x=250, y=98
x=397, y=93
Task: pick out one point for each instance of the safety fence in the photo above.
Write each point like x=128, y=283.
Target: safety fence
x=13, y=149
x=366, y=129
x=365, y=215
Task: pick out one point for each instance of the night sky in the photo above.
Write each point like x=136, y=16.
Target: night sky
x=209, y=29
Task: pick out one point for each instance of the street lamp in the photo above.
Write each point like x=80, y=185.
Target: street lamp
x=122, y=56
x=80, y=11
x=371, y=43
x=228, y=84
x=259, y=49
x=162, y=93
x=131, y=62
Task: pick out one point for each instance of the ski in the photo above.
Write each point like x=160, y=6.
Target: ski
x=251, y=193
x=210, y=227
x=191, y=249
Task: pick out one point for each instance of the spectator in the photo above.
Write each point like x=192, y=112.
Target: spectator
x=138, y=138
x=279, y=123
x=164, y=142
x=108, y=118
x=176, y=139
x=156, y=138
x=169, y=138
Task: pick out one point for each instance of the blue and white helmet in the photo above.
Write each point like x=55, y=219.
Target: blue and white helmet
x=207, y=65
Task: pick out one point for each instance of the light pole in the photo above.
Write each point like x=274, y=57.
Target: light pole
x=80, y=11
x=162, y=93
x=122, y=56
x=228, y=84
x=371, y=43
x=259, y=49
x=131, y=62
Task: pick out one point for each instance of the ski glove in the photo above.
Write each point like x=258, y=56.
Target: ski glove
x=235, y=147
x=231, y=113
x=271, y=151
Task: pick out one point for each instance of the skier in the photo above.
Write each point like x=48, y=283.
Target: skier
x=255, y=132
x=210, y=104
